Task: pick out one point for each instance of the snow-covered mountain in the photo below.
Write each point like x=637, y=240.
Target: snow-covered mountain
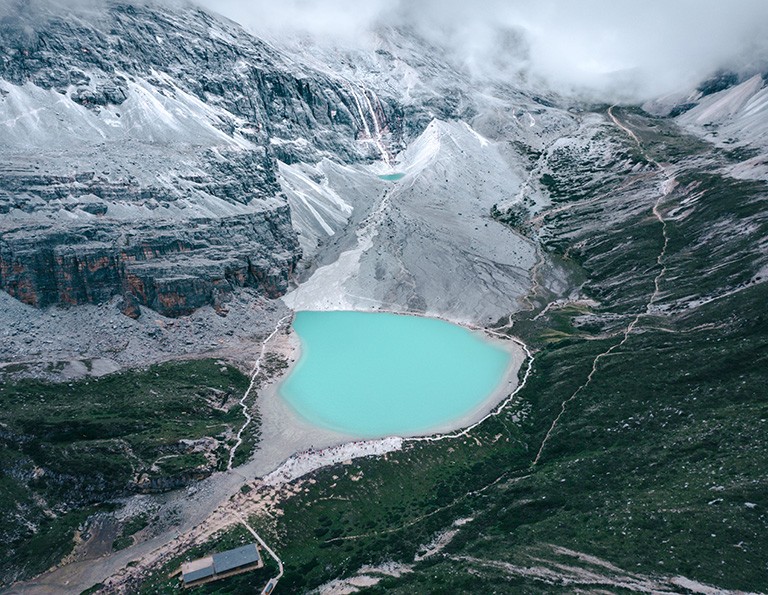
x=154, y=153
x=161, y=162
x=140, y=154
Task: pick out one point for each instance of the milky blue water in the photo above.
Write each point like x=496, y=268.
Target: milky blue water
x=375, y=374
x=392, y=177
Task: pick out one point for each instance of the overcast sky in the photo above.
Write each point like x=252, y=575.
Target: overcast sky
x=651, y=46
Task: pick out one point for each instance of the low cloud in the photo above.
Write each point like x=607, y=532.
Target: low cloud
x=341, y=21
x=603, y=47
x=606, y=49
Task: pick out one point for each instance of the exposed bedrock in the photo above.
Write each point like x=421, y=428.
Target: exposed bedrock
x=140, y=154
x=172, y=268
x=97, y=58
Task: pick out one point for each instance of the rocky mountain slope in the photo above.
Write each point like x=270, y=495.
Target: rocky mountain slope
x=145, y=165
x=166, y=164
x=140, y=151
x=429, y=244
x=423, y=238
x=168, y=160
x=634, y=459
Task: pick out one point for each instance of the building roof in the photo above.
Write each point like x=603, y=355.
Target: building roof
x=197, y=569
x=242, y=556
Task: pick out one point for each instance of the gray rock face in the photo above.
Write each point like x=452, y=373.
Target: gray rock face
x=430, y=245
x=93, y=57
x=140, y=156
x=173, y=269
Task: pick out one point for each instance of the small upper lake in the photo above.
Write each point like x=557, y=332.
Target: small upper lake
x=392, y=177
x=376, y=374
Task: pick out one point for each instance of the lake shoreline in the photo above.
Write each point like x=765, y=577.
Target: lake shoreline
x=286, y=431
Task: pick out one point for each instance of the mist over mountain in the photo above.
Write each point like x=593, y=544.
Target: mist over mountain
x=583, y=185
x=596, y=47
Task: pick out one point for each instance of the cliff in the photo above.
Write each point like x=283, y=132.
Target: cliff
x=141, y=154
x=174, y=268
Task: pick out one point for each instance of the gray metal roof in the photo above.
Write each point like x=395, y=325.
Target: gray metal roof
x=242, y=556
x=197, y=574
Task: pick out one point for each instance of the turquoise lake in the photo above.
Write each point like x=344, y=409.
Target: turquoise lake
x=376, y=374
x=392, y=177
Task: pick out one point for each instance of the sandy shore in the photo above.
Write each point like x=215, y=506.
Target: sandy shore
x=283, y=431
x=303, y=447
x=287, y=430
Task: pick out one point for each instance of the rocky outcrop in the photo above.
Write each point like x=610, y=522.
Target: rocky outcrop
x=93, y=59
x=234, y=176
x=147, y=484
x=173, y=270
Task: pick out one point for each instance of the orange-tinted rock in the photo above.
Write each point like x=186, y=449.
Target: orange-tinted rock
x=173, y=272
x=129, y=306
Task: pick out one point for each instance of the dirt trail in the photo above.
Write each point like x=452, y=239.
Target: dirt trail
x=664, y=192
x=254, y=374
x=272, y=583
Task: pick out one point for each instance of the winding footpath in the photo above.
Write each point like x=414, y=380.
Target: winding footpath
x=665, y=190
x=254, y=374
x=272, y=583
x=303, y=463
